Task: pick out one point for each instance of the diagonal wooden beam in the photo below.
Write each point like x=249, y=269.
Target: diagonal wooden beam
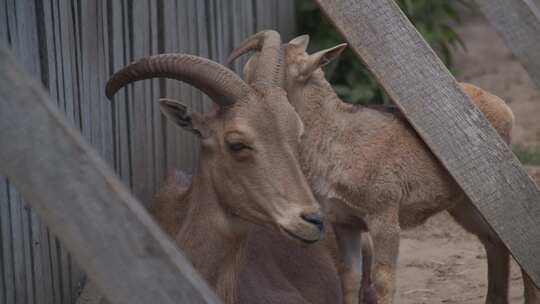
x=95, y=216
x=453, y=128
x=518, y=23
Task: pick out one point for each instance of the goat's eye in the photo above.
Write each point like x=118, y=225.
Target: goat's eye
x=237, y=147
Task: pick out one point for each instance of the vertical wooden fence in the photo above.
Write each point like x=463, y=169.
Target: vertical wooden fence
x=72, y=46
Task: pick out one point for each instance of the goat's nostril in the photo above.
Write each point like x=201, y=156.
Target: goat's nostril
x=315, y=218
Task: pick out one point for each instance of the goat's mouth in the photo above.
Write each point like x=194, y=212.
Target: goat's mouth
x=301, y=238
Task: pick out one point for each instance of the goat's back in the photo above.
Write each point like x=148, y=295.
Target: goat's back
x=494, y=109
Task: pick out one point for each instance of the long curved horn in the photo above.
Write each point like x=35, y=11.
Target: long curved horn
x=270, y=62
x=215, y=80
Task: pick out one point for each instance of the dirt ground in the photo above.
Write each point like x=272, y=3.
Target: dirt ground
x=439, y=262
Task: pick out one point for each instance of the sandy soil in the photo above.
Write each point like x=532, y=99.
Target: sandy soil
x=439, y=262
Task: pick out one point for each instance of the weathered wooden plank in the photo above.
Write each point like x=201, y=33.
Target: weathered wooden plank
x=77, y=279
x=203, y=103
x=58, y=56
x=155, y=145
x=17, y=247
x=453, y=128
x=285, y=13
x=263, y=14
x=7, y=255
x=102, y=77
x=68, y=33
x=186, y=44
x=27, y=251
x=118, y=48
x=4, y=36
x=90, y=69
x=3, y=201
x=54, y=252
x=189, y=35
x=48, y=282
x=50, y=56
x=238, y=23
x=518, y=23
x=67, y=47
x=172, y=89
x=27, y=36
x=66, y=275
x=82, y=63
x=11, y=23
x=108, y=231
x=62, y=54
x=73, y=24
x=211, y=30
x=141, y=98
x=39, y=278
x=160, y=159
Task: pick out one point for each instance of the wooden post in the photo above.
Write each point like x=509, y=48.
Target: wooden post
x=518, y=23
x=453, y=128
x=108, y=232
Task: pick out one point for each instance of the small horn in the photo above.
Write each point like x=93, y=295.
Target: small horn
x=301, y=41
x=270, y=62
x=218, y=82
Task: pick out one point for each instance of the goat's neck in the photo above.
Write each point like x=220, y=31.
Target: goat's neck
x=212, y=239
x=317, y=104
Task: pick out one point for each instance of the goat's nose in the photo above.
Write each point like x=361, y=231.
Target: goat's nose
x=315, y=218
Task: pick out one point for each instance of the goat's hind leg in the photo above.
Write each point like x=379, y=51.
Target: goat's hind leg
x=532, y=294
x=498, y=257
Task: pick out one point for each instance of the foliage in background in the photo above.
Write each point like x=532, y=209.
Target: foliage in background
x=529, y=155
x=350, y=78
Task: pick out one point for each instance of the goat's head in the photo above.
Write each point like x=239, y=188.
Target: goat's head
x=249, y=141
x=298, y=65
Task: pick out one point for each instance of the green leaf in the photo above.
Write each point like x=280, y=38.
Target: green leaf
x=434, y=19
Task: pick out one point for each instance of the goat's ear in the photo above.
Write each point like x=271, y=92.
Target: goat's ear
x=179, y=114
x=301, y=41
x=321, y=58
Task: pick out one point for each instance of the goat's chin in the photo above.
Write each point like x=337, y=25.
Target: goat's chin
x=308, y=237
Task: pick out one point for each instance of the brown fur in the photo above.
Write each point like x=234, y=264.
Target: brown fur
x=262, y=184
x=371, y=164
x=375, y=165
x=273, y=269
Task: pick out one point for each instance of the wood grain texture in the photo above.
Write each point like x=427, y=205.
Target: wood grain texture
x=518, y=23
x=94, y=215
x=453, y=128
x=73, y=46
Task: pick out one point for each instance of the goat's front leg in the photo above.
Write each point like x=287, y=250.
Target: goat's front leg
x=367, y=291
x=349, y=241
x=384, y=230
x=355, y=261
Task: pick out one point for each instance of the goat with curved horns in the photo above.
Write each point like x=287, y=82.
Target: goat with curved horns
x=248, y=170
x=371, y=165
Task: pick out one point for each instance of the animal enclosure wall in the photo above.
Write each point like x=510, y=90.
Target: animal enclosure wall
x=72, y=46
